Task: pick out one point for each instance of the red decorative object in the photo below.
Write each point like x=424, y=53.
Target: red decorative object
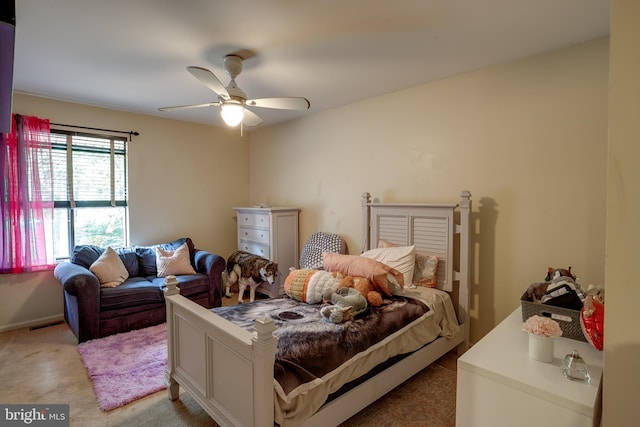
x=592, y=321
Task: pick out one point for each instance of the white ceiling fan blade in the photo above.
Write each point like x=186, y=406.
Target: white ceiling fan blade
x=209, y=79
x=186, y=107
x=283, y=103
x=251, y=118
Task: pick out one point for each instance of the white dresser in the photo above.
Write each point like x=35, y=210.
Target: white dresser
x=271, y=233
x=499, y=385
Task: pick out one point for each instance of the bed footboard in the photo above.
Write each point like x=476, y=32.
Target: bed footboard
x=227, y=369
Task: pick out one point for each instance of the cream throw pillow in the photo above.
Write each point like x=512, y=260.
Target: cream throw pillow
x=173, y=263
x=109, y=269
x=426, y=270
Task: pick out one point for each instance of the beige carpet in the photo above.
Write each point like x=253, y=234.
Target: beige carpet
x=42, y=366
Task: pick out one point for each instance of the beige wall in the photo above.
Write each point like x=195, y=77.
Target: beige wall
x=622, y=334
x=527, y=138
x=179, y=185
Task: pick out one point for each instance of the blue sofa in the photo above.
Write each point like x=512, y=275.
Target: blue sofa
x=92, y=311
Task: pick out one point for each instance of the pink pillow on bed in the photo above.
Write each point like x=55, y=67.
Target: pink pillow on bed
x=353, y=265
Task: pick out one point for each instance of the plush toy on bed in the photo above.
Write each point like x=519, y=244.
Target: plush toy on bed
x=311, y=286
x=346, y=303
x=365, y=287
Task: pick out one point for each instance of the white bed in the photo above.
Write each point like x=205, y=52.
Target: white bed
x=229, y=370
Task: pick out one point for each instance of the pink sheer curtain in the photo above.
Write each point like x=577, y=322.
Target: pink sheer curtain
x=26, y=196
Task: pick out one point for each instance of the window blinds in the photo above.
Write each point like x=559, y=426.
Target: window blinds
x=89, y=171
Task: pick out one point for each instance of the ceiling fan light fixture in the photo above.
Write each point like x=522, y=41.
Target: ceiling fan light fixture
x=232, y=100
x=232, y=113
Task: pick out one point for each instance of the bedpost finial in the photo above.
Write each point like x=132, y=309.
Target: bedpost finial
x=264, y=328
x=365, y=198
x=465, y=199
x=171, y=286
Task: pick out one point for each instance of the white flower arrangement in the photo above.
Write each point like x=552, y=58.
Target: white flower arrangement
x=542, y=326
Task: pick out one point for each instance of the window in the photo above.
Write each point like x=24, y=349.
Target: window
x=90, y=191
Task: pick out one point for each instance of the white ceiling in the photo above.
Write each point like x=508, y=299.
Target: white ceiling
x=131, y=54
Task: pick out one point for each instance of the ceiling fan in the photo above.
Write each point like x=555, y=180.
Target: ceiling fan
x=233, y=101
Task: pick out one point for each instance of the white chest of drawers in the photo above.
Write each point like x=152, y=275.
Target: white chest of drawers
x=499, y=385
x=271, y=233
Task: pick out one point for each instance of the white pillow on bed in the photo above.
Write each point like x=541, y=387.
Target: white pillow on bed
x=425, y=270
x=402, y=258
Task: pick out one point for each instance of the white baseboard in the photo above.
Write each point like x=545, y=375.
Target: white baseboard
x=34, y=323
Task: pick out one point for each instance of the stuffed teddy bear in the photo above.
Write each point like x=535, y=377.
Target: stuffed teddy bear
x=346, y=303
x=554, y=273
x=365, y=287
x=556, y=277
x=563, y=291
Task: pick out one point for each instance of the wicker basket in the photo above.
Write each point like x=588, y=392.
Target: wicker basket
x=569, y=320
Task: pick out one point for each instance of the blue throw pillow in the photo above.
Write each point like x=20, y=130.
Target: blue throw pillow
x=146, y=260
x=130, y=260
x=85, y=255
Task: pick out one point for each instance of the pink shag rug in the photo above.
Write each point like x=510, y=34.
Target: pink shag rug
x=125, y=367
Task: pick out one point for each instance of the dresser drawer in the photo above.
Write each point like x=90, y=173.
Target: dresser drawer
x=255, y=249
x=252, y=219
x=254, y=234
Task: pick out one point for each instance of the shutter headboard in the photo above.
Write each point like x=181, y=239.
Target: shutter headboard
x=437, y=229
